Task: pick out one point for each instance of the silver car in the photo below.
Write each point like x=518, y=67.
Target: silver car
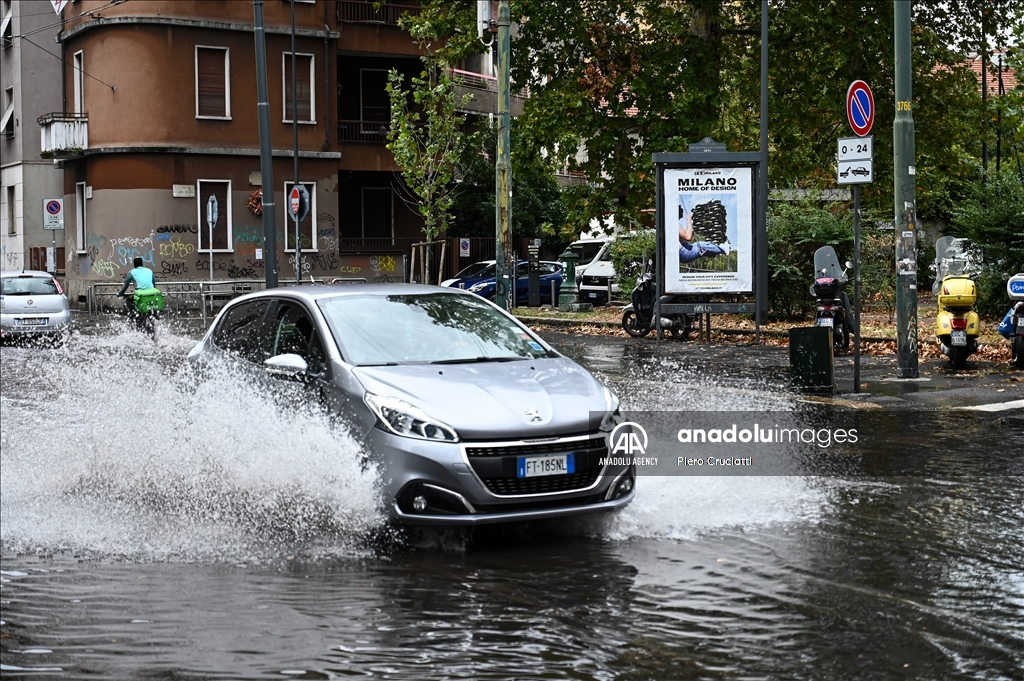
x=472, y=417
x=33, y=306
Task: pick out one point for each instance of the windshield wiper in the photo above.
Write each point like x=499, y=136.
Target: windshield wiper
x=471, y=360
x=379, y=364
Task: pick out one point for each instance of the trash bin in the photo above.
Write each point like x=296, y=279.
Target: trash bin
x=811, y=362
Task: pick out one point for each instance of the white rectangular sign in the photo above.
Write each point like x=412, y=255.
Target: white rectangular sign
x=53, y=213
x=856, y=148
x=856, y=172
x=709, y=230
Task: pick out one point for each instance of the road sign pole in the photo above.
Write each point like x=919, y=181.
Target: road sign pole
x=905, y=195
x=266, y=157
x=856, y=288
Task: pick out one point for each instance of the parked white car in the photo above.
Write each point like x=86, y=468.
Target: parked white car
x=33, y=306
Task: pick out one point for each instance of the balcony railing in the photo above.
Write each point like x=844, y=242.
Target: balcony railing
x=63, y=134
x=353, y=12
x=480, y=81
x=365, y=132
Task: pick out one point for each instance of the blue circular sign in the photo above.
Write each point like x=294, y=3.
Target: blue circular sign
x=860, y=107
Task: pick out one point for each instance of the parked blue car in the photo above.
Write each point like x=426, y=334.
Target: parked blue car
x=479, y=278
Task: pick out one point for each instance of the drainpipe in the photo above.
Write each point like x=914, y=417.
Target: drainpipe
x=327, y=84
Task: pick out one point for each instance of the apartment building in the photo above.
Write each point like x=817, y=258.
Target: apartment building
x=30, y=77
x=161, y=112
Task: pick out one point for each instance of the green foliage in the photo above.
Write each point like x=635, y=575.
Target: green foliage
x=992, y=218
x=426, y=139
x=536, y=198
x=629, y=253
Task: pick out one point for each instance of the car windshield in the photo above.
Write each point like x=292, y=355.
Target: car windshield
x=476, y=271
x=424, y=328
x=30, y=286
x=586, y=250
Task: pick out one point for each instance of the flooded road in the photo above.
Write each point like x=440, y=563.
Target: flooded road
x=152, y=529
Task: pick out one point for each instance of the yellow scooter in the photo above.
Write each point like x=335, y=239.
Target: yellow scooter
x=957, y=325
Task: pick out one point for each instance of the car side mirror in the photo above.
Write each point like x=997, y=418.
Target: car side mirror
x=288, y=365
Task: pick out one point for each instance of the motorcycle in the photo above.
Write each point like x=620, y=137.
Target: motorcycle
x=1013, y=326
x=832, y=303
x=638, y=316
x=144, y=307
x=957, y=325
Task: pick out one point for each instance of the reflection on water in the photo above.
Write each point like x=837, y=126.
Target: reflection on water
x=150, y=528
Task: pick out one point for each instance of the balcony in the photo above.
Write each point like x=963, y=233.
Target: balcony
x=483, y=91
x=363, y=132
x=63, y=135
x=353, y=12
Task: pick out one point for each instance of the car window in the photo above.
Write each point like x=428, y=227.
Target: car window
x=586, y=250
x=238, y=331
x=472, y=271
x=522, y=271
x=30, y=286
x=548, y=268
x=292, y=331
x=422, y=328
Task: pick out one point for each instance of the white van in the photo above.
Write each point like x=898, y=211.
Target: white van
x=594, y=264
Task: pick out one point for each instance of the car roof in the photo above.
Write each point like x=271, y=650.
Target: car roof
x=314, y=292
x=25, y=272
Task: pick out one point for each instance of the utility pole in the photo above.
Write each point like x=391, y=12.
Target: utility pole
x=502, y=166
x=905, y=199
x=295, y=152
x=266, y=158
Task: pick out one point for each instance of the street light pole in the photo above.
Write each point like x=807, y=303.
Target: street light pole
x=266, y=158
x=905, y=198
x=502, y=166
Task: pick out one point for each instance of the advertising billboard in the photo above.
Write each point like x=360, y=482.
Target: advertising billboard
x=709, y=227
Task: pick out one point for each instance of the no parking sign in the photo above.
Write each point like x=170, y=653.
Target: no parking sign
x=53, y=213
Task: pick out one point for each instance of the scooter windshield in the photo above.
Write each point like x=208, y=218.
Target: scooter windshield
x=951, y=260
x=826, y=264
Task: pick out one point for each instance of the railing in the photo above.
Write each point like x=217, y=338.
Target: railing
x=368, y=132
x=481, y=81
x=177, y=294
x=352, y=12
x=63, y=133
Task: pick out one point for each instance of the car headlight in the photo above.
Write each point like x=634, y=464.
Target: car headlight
x=612, y=417
x=407, y=420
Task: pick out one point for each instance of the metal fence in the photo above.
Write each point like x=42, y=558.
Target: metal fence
x=181, y=296
x=354, y=12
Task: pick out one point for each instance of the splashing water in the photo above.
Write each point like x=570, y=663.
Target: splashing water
x=107, y=449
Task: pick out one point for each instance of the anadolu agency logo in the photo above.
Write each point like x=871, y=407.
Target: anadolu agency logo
x=628, y=439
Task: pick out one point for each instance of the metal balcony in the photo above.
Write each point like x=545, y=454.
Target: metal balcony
x=63, y=135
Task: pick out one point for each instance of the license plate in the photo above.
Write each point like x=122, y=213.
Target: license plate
x=536, y=466
x=592, y=295
x=34, y=321
x=825, y=321
x=1020, y=322
x=959, y=338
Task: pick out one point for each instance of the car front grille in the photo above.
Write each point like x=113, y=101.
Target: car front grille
x=495, y=466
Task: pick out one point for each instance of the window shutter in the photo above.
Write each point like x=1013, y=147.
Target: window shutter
x=302, y=87
x=210, y=66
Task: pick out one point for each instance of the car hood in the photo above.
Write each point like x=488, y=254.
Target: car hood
x=492, y=400
x=42, y=304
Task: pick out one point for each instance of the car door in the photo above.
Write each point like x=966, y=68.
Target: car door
x=291, y=330
x=240, y=329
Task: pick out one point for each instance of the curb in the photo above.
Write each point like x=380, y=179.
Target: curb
x=577, y=323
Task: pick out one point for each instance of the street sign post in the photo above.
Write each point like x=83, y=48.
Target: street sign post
x=53, y=219
x=298, y=208
x=211, y=220
x=855, y=158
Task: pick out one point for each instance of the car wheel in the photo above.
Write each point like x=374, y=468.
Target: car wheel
x=631, y=323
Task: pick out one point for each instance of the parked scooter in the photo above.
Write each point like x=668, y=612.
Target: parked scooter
x=832, y=303
x=1012, y=327
x=638, y=317
x=957, y=325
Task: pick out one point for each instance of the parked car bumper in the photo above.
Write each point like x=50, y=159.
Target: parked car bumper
x=16, y=326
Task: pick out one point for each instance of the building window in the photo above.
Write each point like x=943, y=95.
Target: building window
x=12, y=226
x=213, y=82
x=7, y=28
x=378, y=213
x=222, y=229
x=304, y=71
x=79, y=83
x=80, y=223
x=7, y=122
x=374, y=101
x=307, y=227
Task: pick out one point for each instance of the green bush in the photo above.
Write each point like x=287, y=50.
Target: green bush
x=628, y=252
